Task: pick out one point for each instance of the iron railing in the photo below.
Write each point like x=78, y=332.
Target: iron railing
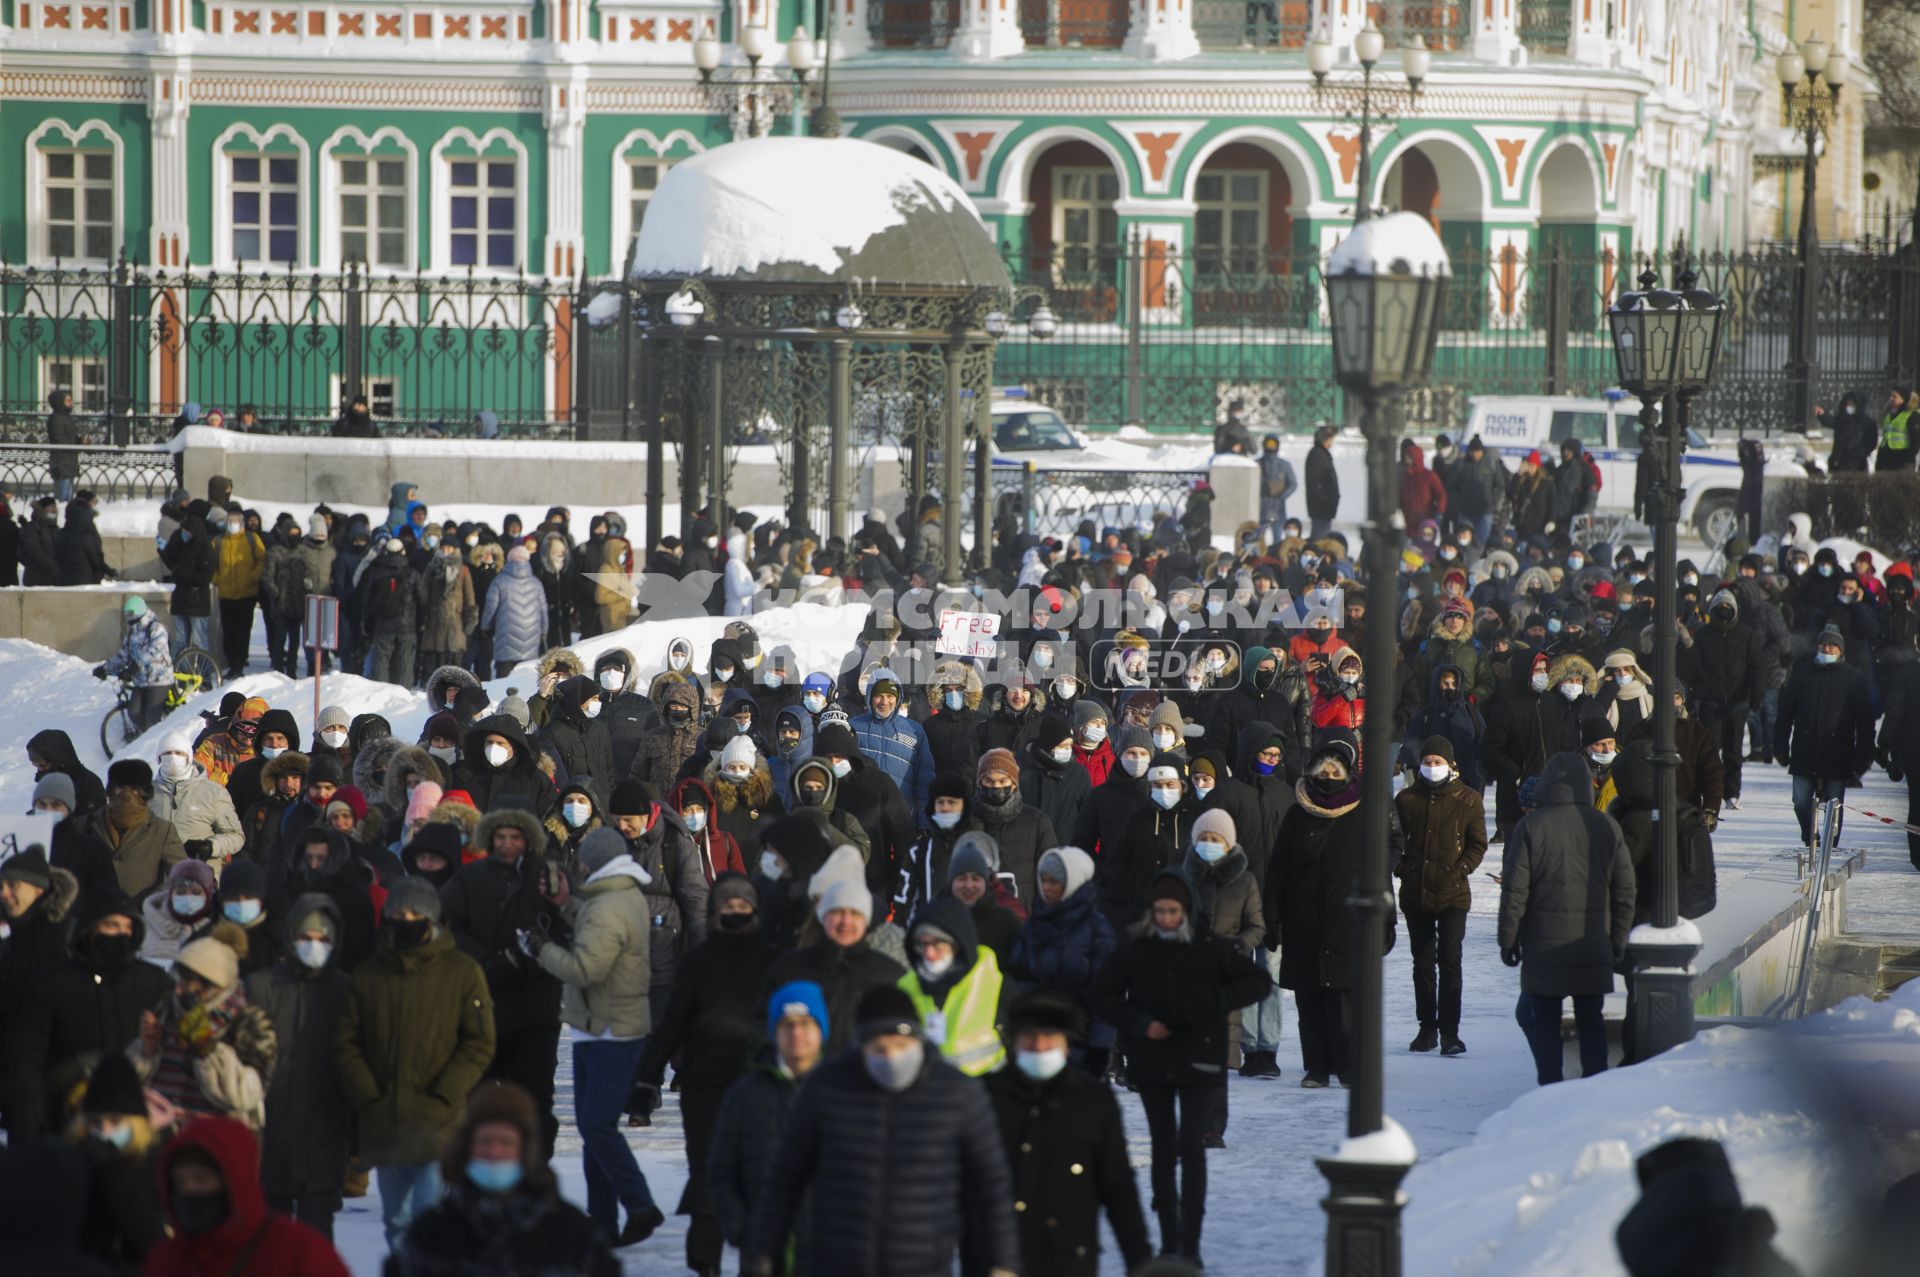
x=1074, y=24
x=1055, y=502
x=911, y=24
x=143, y=472
x=1164, y=338
x=1546, y=26
x=1252, y=24
x=1445, y=25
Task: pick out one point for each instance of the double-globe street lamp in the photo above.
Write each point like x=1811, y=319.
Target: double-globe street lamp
x=1385, y=284
x=1811, y=78
x=1365, y=98
x=1665, y=345
x=754, y=97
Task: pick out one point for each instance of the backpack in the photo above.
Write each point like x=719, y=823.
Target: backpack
x=387, y=600
x=1698, y=889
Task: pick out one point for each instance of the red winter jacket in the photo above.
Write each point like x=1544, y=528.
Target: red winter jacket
x=1098, y=761
x=1422, y=495
x=279, y=1246
x=719, y=850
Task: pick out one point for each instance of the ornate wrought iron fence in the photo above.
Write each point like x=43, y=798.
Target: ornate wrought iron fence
x=145, y=472
x=1055, y=502
x=1546, y=25
x=1252, y=24
x=1169, y=339
x=144, y=349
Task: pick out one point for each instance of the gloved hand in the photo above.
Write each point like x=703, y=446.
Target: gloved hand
x=643, y=1100
x=530, y=942
x=199, y=848
x=1711, y=819
x=100, y=672
x=1895, y=773
x=1511, y=956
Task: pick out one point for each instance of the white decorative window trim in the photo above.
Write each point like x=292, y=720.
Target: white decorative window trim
x=331, y=259
x=1016, y=171
x=621, y=230
x=223, y=258
x=440, y=212
x=76, y=136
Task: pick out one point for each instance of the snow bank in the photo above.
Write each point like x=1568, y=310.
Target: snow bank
x=731, y=210
x=1814, y=1116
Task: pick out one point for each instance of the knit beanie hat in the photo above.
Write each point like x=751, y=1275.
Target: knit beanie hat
x=29, y=866
x=1202, y=765
x=135, y=772
x=974, y=853
x=949, y=784
x=1053, y=732
x=1069, y=866
x=114, y=1089
x=846, y=895
x=1000, y=762
x=1438, y=745
x=1215, y=821
x=1132, y=737
x=797, y=997
x=739, y=752
x=1831, y=637
x=192, y=873
x=333, y=716
x=885, y=1008
x=1595, y=727
x=601, y=848
x=732, y=886
x=514, y=706
x=215, y=957
x=1170, y=884
x=1086, y=710
x=633, y=797
x=243, y=879
x=309, y=916
x=325, y=768
x=412, y=895
x=56, y=787
x=443, y=725
x=843, y=864
x=420, y=804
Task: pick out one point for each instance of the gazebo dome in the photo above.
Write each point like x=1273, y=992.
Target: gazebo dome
x=815, y=211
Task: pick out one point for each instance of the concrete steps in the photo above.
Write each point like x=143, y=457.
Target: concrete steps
x=1857, y=965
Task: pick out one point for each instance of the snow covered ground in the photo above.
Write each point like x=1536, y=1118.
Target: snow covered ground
x=1512, y=1181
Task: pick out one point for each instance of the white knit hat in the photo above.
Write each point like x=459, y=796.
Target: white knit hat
x=846, y=895
x=739, y=752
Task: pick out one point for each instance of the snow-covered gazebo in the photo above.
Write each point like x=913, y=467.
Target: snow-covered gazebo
x=800, y=291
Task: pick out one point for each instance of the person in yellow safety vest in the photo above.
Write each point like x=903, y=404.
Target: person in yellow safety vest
x=1896, y=432
x=956, y=986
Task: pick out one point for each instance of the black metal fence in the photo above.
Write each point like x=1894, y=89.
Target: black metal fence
x=144, y=472
x=1168, y=339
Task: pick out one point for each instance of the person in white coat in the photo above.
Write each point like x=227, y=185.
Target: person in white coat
x=199, y=808
x=738, y=576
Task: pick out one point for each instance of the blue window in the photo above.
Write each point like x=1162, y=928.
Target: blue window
x=483, y=216
x=266, y=207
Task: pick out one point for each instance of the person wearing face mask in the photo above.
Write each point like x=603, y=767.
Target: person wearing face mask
x=1091, y=748
x=671, y=741
x=218, y=1218
x=1168, y=989
x=1050, y=781
x=1600, y=747
x=952, y=725
x=308, y=812
x=499, y=769
x=576, y=815
x=1065, y=943
x=200, y=811
x=1445, y=828
x=701, y=812
x=1339, y=695
x=574, y=739
x=244, y=902
x=275, y=734
x=1021, y=830
x=816, y=696
x=925, y=869
x=1448, y=713
x=35, y=901
x=303, y=1147
x=867, y=794
x=1851, y=612
x=626, y=712
x=741, y=790
x=1853, y=437
x=181, y=910
x=1016, y=717
x=555, y=571
x=1824, y=730
x=839, y=949
x=940, y=1157
x=973, y=878
x=754, y=1110
x=1521, y=723
x=115, y=1136
x=1308, y=881
x=956, y=986
x=206, y=1050
x=521, y=614
x=1154, y=838
x=449, y=608
x=417, y=1026
x=144, y=847
x=813, y=787
x=792, y=742
x=1227, y=896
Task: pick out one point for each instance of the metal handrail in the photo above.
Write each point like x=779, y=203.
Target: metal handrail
x=1795, y=1004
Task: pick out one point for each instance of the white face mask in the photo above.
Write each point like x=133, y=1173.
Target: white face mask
x=1572, y=690
x=736, y=775
x=1163, y=738
x=695, y=821
x=722, y=673
x=841, y=767
x=1435, y=774
x=445, y=753
x=612, y=679
x=271, y=752
x=677, y=661
x=1350, y=677
x=175, y=766
x=333, y=737
x=1603, y=759
x=770, y=867
x=770, y=678
x=933, y=968
x=591, y=708
x=1202, y=787
x=1540, y=681
x=1094, y=733
x=1041, y=1065
x=498, y=755
x=576, y=814
x=313, y=953
x=1063, y=755
x=945, y=819
x=814, y=702
x=1211, y=852
x=1167, y=798
x=1134, y=765
x=1826, y=658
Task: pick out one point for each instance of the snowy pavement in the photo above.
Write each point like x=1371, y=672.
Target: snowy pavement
x=1539, y=1190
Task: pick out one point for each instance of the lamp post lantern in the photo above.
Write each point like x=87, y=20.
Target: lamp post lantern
x=1366, y=99
x=1811, y=77
x=1385, y=284
x=1666, y=345
x=754, y=96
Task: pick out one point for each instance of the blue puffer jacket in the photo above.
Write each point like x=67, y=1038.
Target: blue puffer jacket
x=516, y=613
x=782, y=762
x=1064, y=946
x=889, y=1174
x=896, y=745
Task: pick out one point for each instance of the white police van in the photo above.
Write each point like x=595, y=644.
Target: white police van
x=1024, y=429
x=1609, y=429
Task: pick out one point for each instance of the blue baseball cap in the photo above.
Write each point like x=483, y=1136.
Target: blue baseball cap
x=800, y=997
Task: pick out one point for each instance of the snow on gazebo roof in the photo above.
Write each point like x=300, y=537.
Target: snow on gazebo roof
x=806, y=210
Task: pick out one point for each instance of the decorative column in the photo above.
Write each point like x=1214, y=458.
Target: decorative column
x=565, y=116
x=167, y=108
x=1338, y=22
x=1162, y=30
x=1589, y=45
x=1496, y=33
x=848, y=27
x=987, y=28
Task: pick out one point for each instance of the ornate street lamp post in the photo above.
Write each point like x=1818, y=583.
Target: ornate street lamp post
x=753, y=97
x=1365, y=98
x=1665, y=346
x=1385, y=283
x=1810, y=83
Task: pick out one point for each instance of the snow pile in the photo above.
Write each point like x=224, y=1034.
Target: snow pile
x=1393, y=244
x=1544, y=1183
x=731, y=210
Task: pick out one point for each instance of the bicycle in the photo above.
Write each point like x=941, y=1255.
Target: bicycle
x=193, y=671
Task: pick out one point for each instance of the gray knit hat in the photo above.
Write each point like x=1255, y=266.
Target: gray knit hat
x=601, y=848
x=54, y=787
x=412, y=895
x=333, y=716
x=974, y=853
x=514, y=706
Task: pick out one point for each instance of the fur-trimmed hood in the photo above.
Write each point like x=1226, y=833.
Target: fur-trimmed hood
x=291, y=763
x=371, y=760
x=972, y=689
x=465, y=816
x=618, y=656
x=1572, y=665
x=441, y=679
x=1496, y=558
x=562, y=661
x=754, y=793
x=409, y=760
x=487, y=554
x=63, y=891
x=525, y=821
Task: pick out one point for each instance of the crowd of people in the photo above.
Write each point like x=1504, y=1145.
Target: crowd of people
x=895, y=926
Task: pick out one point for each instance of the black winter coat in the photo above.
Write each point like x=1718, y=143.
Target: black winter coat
x=1566, y=887
x=484, y=905
x=190, y=562
x=843, y=974
x=678, y=894
x=1900, y=730
x=1004, y=729
x=79, y=1007
x=953, y=738
x=519, y=785
x=1065, y=947
x=1023, y=833
x=82, y=560
x=39, y=553
x=472, y=1233
x=1721, y=668
x=745, y=1138
x=628, y=717
x=896, y=1177
x=869, y=795
x=303, y=1147
x=55, y=748
x=716, y=1019
x=1189, y=986
x=1308, y=883
x=581, y=750
x=1109, y=808
x=37, y=945
x=1067, y=1153
x=1155, y=839
x=1323, y=485
x=1824, y=727
x=344, y=880
x=1057, y=790
x=1446, y=838
x=1272, y=797
x=392, y=595
x=1286, y=705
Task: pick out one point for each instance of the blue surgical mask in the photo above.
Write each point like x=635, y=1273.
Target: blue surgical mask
x=119, y=1137
x=1211, y=852
x=493, y=1177
x=1265, y=769
x=695, y=820
x=1826, y=658
x=241, y=911
x=1040, y=1065
x=313, y=953
x=954, y=700
x=841, y=767
x=814, y=701
x=946, y=819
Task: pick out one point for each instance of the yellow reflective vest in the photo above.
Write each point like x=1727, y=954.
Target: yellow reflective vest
x=1894, y=432
x=963, y=1027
